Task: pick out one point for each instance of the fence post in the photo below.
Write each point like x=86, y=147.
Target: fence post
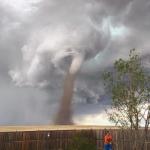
x=116, y=140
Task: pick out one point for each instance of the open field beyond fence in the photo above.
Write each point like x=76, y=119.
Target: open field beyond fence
x=59, y=137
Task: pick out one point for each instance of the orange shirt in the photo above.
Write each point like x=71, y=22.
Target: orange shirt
x=107, y=139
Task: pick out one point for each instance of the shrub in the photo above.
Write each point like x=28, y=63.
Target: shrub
x=81, y=142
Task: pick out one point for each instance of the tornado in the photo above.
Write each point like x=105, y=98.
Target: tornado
x=61, y=34
x=64, y=115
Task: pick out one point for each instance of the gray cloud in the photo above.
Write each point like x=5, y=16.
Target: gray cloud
x=106, y=28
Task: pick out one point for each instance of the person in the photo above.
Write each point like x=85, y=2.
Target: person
x=108, y=141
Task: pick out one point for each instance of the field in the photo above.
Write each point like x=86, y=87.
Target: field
x=52, y=127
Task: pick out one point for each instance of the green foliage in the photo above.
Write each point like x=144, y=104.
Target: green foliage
x=81, y=142
x=129, y=85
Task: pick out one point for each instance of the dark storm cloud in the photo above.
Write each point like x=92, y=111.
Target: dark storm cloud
x=136, y=20
x=8, y=23
x=118, y=26
x=16, y=103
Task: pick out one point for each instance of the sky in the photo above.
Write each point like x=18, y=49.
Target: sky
x=38, y=39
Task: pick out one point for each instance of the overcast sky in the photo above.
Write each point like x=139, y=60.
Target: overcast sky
x=36, y=37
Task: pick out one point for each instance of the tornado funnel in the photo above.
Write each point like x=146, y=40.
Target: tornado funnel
x=64, y=115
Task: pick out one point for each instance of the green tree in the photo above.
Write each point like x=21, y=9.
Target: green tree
x=129, y=85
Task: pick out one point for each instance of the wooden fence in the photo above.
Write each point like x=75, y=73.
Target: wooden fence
x=60, y=139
